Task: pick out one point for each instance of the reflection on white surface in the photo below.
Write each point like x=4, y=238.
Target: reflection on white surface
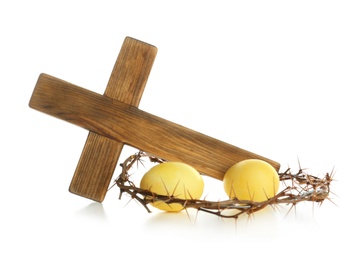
x=274, y=77
x=93, y=210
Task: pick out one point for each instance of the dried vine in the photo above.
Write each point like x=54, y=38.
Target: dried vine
x=299, y=187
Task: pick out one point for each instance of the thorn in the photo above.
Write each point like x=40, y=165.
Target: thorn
x=173, y=192
x=188, y=215
x=251, y=196
x=167, y=191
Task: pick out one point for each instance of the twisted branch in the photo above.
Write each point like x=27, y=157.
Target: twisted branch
x=299, y=187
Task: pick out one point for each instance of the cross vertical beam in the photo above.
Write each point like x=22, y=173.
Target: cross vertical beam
x=100, y=154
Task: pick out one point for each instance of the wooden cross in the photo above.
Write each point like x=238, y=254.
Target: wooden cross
x=113, y=120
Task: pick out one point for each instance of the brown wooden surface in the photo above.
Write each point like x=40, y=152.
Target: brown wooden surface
x=122, y=122
x=100, y=154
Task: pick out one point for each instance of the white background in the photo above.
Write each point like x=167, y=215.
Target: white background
x=277, y=78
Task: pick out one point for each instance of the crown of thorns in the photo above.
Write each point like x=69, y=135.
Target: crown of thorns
x=298, y=187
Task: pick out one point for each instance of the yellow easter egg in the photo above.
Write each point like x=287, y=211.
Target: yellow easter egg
x=252, y=179
x=173, y=179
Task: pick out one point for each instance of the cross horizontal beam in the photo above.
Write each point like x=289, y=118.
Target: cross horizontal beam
x=130, y=125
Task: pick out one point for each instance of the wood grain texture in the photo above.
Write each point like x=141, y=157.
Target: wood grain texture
x=122, y=122
x=100, y=154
